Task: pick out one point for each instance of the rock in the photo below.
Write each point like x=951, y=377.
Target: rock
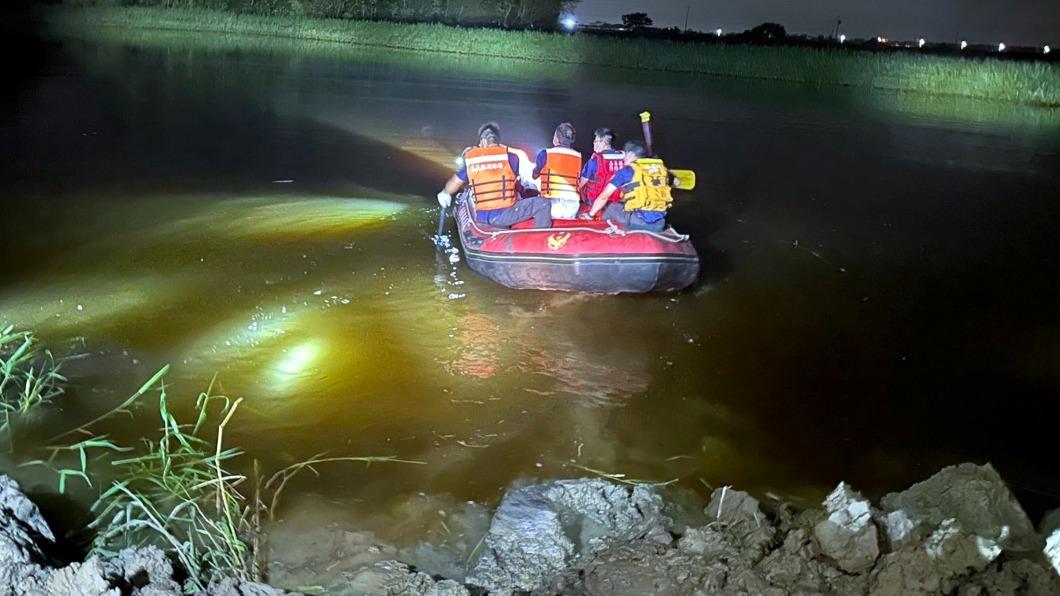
x=739, y=515
x=795, y=568
x=1020, y=576
x=716, y=558
x=81, y=579
x=640, y=567
x=949, y=554
x=392, y=578
x=1050, y=522
x=538, y=531
x=974, y=496
x=146, y=568
x=848, y=535
x=23, y=568
x=1052, y=550
x=235, y=587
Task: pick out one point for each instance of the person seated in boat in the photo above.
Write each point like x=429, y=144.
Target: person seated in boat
x=490, y=171
x=638, y=195
x=557, y=171
x=605, y=163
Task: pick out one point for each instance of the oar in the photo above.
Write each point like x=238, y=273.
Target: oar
x=439, y=240
x=684, y=179
x=645, y=125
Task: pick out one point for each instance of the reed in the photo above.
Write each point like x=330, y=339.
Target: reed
x=29, y=377
x=177, y=490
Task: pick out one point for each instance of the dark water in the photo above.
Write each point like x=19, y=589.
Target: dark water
x=877, y=297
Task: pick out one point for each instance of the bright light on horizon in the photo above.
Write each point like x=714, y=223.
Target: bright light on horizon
x=1001, y=47
x=1046, y=50
x=920, y=43
x=964, y=45
x=718, y=31
x=569, y=23
x=843, y=38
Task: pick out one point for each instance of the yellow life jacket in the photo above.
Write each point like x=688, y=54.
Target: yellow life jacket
x=650, y=188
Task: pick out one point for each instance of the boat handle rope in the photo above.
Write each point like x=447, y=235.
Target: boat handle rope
x=612, y=230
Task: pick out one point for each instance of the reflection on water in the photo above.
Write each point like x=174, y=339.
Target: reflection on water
x=874, y=299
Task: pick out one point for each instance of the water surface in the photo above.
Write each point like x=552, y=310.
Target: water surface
x=876, y=299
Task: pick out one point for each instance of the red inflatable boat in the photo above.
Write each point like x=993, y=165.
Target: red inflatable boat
x=578, y=256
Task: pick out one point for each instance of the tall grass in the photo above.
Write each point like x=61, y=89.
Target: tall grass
x=1026, y=82
x=29, y=377
x=177, y=490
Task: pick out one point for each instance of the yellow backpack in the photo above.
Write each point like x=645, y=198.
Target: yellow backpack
x=650, y=188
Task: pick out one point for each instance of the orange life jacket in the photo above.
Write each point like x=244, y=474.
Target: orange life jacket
x=490, y=177
x=559, y=176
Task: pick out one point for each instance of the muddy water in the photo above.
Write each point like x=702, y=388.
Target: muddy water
x=877, y=296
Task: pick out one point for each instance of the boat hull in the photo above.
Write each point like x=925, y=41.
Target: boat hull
x=578, y=257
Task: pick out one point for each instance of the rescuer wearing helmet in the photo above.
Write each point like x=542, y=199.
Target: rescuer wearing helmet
x=604, y=164
x=557, y=172
x=638, y=195
x=490, y=171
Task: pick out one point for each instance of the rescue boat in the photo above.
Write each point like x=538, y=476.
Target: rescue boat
x=577, y=256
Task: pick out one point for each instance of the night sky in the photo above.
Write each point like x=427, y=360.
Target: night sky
x=1027, y=22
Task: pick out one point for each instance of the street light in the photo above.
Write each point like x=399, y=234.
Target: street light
x=1001, y=47
x=718, y=32
x=964, y=45
x=569, y=23
x=843, y=38
x=920, y=43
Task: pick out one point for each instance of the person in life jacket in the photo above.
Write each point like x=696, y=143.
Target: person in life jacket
x=490, y=171
x=557, y=172
x=605, y=163
x=641, y=192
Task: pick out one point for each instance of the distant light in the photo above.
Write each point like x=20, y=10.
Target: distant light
x=881, y=40
x=920, y=43
x=843, y=38
x=718, y=32
x=964, y=45
x=1001, y=47
x=1046, y=49
x=569, y=23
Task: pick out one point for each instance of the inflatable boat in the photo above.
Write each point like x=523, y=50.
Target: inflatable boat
x=577, y=256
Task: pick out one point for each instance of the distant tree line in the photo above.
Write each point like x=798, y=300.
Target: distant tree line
x=521, y=14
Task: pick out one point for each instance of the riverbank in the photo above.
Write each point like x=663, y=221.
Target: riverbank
x=959, y=531
x=1021, y=82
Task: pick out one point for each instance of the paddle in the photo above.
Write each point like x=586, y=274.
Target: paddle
x=683, y=179
x=439, y=240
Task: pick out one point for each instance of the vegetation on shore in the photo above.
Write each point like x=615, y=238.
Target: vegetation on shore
x=1022, y=82
x=177, y=490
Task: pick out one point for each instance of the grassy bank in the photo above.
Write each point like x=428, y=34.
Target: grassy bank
x=1023, y=82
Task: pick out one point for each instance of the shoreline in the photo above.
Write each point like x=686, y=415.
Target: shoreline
x=960, y=530
x=1032, y=84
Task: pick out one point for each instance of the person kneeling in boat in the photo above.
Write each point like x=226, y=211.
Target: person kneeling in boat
x=557, y=171
x=638, y=195
x=491, y=173
x=600, y=168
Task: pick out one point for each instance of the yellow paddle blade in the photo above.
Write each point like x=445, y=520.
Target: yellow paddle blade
x=684, y=179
